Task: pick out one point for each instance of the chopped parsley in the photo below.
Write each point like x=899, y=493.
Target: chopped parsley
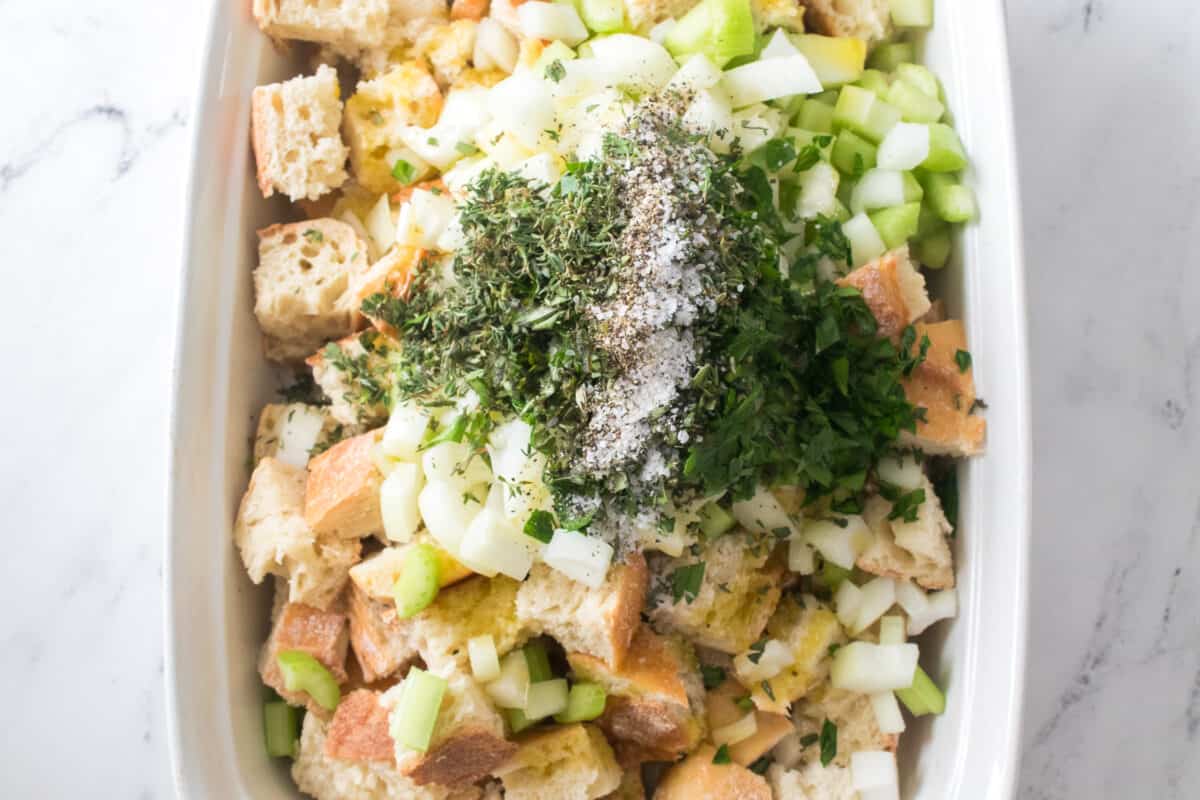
x=722, y=755
x=828, y=740
x=466, y=148
x=555, y=71
x=756, y=651
x=713, y=676
x=316, y=237
x=540, y=525
x=767, y=690
x=905, y=505
x=760, y=766
x=744, y=702
x=404, y=172
x=686, y=582
x=963, y=359
x=810, y=154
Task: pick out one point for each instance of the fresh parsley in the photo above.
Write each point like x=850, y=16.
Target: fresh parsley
x=963, y=359
x=540, y=525
x=756, y=651
x=722, y=755
x=810, y=154
x=760, y=766
x=829, y=743
x=555, y=71
x=713, y=676
x=686, y=582
x=404, y=172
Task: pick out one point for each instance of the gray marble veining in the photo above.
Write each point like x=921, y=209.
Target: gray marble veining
x=93, y=158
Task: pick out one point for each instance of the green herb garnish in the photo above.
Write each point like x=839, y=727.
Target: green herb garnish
x=555, y=71
x=963, y=359
x=713, y=676
x=404, y=172
x=828, y=742
x=686, y=582
x=722, y=755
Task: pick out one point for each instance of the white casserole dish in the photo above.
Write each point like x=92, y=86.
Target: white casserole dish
x=216, y=620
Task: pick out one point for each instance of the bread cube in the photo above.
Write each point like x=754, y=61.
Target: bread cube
x=273, y=538
x=295, y=127
x=853, y=715
x=811, y=780
x=377, y=574
x=321, y=634
x=893, y=289
x=359, y=729
x=599, y=622
x=807, y=632
x=448, y=48
x=346, y=24
x=869, y=20
x=404, y=95
x=383, y=643
x=474, y=607
x=698, y=778
x=341, y=497
x=916, y=550
x=568, y=762
x=786, y=14
x=946, y=392
x=302, y=285
x=723, y=709
x=355, y=378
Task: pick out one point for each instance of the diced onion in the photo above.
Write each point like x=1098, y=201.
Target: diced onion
x=511, y=689
x=847, y=600
x=818, y=190
x=455, y=462
x=878, y=188
x=519, y=470
x=415, y=714
x=737, y=731
x=662, y=30
x=398, y=502
x=447, y=512
x=762, y=513
x=770, y=79
x=877, y=597
x=840, y=544
x=697, y=73
x=905, y=147
x=865, y=242
x=494, y=46
x=709, y=115
x=405, y=430
x=551, y=21
x=800, y=556
x=780, y=46
x=423, y=219
x=542, y=168
x=634, y=61
x=380, y=225
x=491, y=545
x=868, y=668
x=485, y=663
x=774, y=658
x=298, y=434
x=755, y=126
x=873, y=770
x=887, y=713
x=903, y=471
x=891, y=629
x=579, y=557
x=924, y=610
x=546, y=698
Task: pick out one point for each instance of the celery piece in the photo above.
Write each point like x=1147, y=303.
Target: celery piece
x=840, y=212
x=952, y=202
x=829, y=97
x=853, y=107
x=923, y=697
x=602, y=16
x=933, y=250
x=896, y=225
x=832, y=575
x=416, y=712
x=946, y=153
x=913, y=190
x=912, y=13
x=584, y=702
x=720, y=29
x=538, y=661
x=547, y=698
x=881, y=119
x=914, y=104
x=281, y=724
x=417, y=585
x=886, y=56
x=930, y=223
x=517, y=721
x=303, y=673
x=815, y=116
x=715, y=521
x=874, y=80
x=852, y=154
x=803, y=138
x=919, y=77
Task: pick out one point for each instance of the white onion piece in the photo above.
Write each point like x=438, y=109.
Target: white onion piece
x=455, y=462
x=494, y=46
x=709, y=115
x=905, y=147
x=755, y=126
x=818, y=190
x=901, y=470
x=542, y=168
x=519, y=470
x=697, y=73
x=770, y=79
x=868, y=668
x=423, y=219
x=398, y=502
x=762, y=513
x=887, y=713
x=865, y=242
x=551, y=21
x=380, y=225
x=522, y=103
x=634, y=61
x=773, y=659
x=447, y=513
x=464, y=173
x=780, y=46
x=485, y=663
x=878, y=188
x=840, y=544
x=800, y=556
x=847, y=600
x=924, y=610
x=492, y=545
x=511, y=689
x=873, y=769
x=579, y=557
x=297, y=435
x=877, y=597
x=737, y=731
x=405, y=430
x=662, y=30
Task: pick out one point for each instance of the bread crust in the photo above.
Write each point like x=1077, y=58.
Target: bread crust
x=946, y=392
x=341, y=497
x=698, y=778
x=467, y=756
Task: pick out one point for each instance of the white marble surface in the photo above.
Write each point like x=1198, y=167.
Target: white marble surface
x=93, y=155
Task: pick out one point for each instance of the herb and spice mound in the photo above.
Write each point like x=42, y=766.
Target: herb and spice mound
x=642, y=316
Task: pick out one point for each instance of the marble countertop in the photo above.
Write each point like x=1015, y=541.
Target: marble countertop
x=93, y=160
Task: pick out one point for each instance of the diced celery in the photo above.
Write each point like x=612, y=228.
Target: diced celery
x=952, y=202
x=836, y=60
x=602, y=16
x=886, y=56
x=853, y=107
x=815, y=116
x=946, y=153
x=930, y=223
x=721, y=29
x=933, y=250
x=914, y=104
x=715, y=521
x=584, y=702
x=547, y=698
x=538, y=661
x=852, y=154
x=896, y=225
x=840, y=212
x=874, y=80
x=832, y=575
x=517, y=721
x=913, y=190
x=920, y=77
x=829, y=97
x=281, y=724
x=881, y=119
x=417, y=585
x=923, y=697
x=303, y=673
x=416, y=712
x=912, y=13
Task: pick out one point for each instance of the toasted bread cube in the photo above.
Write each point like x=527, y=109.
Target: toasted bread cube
x=274, y=539
x=915, y=550
x=698, y=778
x=468, y=739
x=736, y=598
x=383, y=643
x=811, y=780
x=377, y=574
x=321, y=634
x=600, y=622
x=893, y=289
x=808, y=632
x=946, y=392
x=648, y=698
x=469, y=9
x=645, y=14
x=869, y=20
x=786, y=14
x=295, y=127
x=471, y=608
x=392, y=275
x=288, y=431
x=723, y=709
x=359, y=729
x=346, y=24
x=404, y=95
x=342, y=495
x=302, y=285
x=355, y=379
x=853, y=715
x=569, y=762
x=448, y=48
